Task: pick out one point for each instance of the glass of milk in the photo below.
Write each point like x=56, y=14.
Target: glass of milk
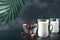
x=43, y=27
x=34, y=30
x=55, y=23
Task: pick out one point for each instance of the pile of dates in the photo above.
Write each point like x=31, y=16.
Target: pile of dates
x=30, y=27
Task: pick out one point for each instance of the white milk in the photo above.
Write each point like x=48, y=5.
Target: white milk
x=34, y=30
x=43, y=29
x=55, y=26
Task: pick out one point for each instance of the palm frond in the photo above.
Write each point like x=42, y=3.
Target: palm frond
x=10, y=9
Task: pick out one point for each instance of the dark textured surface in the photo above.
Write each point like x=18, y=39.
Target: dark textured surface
x=30, y=13
x=16, y=35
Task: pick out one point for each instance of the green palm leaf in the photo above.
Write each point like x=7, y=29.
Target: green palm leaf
x=9, y=9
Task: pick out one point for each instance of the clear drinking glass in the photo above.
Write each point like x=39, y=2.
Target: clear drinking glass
x=55, y=23
x=43, y=27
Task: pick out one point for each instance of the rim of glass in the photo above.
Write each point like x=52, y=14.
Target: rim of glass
x=54, y=18
x=42, y=19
